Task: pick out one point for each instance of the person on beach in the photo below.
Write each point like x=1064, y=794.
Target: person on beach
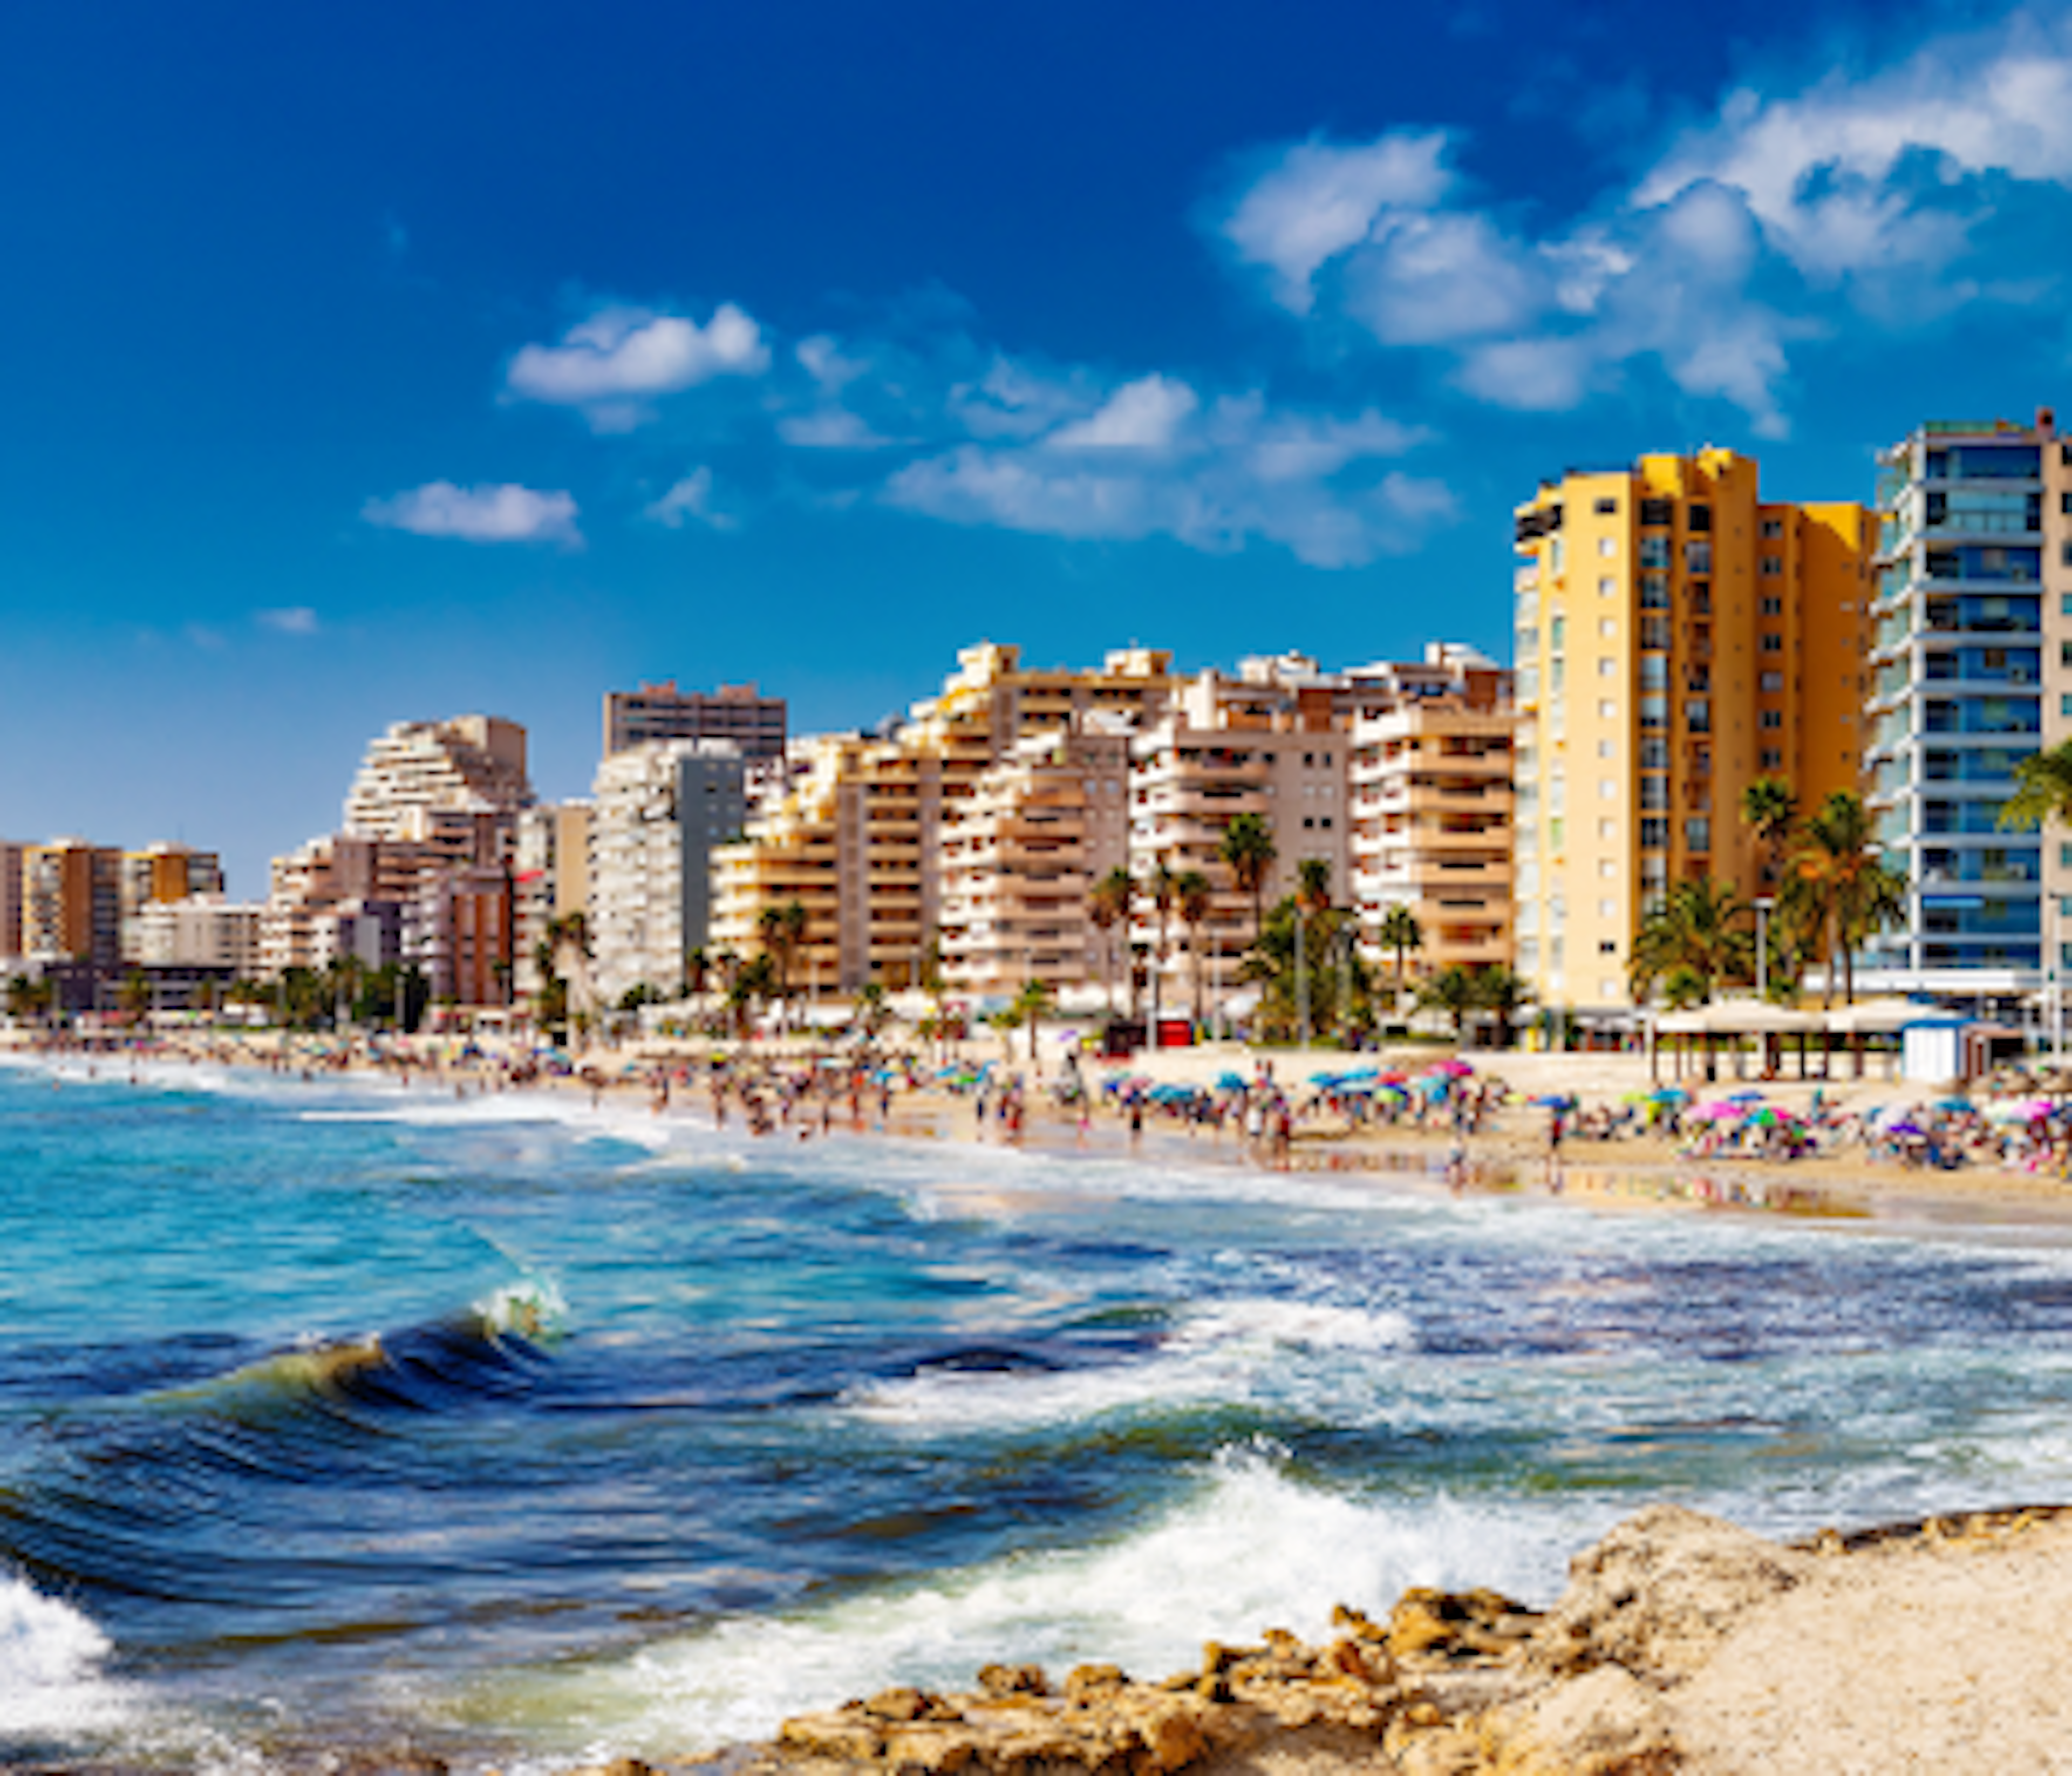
x=1557, y=1127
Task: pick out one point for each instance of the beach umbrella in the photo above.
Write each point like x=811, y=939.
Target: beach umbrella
x=1959, y=1106
x=1454, y=1068
x=1229, y=1082
x=1672, y=1094
x=1552, y=1100
x=1744, y=1097
x=1906, y=1129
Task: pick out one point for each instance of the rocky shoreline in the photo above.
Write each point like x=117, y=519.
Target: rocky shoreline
x=1644, y=1665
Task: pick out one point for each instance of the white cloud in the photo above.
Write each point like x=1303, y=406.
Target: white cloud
x=612, y=364
x=830, y=429
x=691, y=498
x=1794, y=215
x=294, y=619
x=1012, y=401
x=1143, y=415
x=1217, y=478
x=1317, y=201
x=505, y=513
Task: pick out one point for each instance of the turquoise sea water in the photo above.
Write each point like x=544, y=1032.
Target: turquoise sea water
x=528, y=1432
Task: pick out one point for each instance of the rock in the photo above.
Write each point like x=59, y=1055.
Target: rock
x=904, y=1703
x=845, y=1737
x=1659, y=1593
x=1088, y=1680
x=1173, y=1735
x=1605, y=1723
x=1014, y=1680
x=929, y=1749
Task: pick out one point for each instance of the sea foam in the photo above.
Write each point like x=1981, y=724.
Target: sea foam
x=51, y=1659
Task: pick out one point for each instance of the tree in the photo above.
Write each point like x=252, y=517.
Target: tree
x=698, y=969
x=134, y=995
x=1107, y=904
x=1247, y=847
x=1452, y=990
x=1399, y=932
x=753, y=983
x=1191, y=895
x=1032, y=1005
x=1771, y=812
x=2042, y=789
x=1500, y=993
x=1313, y=884
x=870, y=1011
x=1334, y=996
x=1160, y=885
x=27, y=998
x=782, y=930
x=1854, y=893
x=1700, y=926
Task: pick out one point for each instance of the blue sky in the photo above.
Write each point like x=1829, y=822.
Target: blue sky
x=393, y=362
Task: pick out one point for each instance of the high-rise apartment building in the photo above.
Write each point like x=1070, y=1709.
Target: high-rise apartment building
x=854, y=838
x=204, y=932
x=161, y=872
x=72, y=906
x=1971, y=657
x=1270, y=742
x=1432, y=803
x=1677, y=637
x=550, y=865
x=11, y=856
x=738, y=712
x=420, y=769
x=658, y=813
x=1019, y=853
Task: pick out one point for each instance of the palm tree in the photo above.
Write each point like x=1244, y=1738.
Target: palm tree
x=1697, y=926
x=1032, y=1005
x=1107, y=904
x=869, y=1008
x=1452, y=990
x=782, y=929
x=1191, y=895
x=1855, y=893
x=1313, y=884
x=1160, y=886
x=1247, y=847
x=1499, y=991
x=698, y=969
x=27, y=998
x=2042, y=789
x=1771, y=812
x=1401, y=931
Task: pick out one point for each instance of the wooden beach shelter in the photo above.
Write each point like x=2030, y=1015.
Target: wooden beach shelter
x=1873, y=1017
x=1736, y=1018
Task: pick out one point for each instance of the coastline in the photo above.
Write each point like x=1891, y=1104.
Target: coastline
x=1477, y=1706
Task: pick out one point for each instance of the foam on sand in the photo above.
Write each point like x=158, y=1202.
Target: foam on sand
x=50, y=1660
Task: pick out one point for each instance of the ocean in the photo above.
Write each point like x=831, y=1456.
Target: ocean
x=527, y=1433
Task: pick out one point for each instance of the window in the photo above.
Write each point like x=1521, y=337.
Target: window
x=1773, y=645
x=1773, y=682
x=1607, y=789
x=1698, y=716
x=1655, y=591
x=1655, y=755
x=1557, y=632
x=1608, y=829
x=1607, y=711
x=1773, y=718
x=1608, y=628
x=1655, y=513
x=1698, y=833
x=1654, y=712
x=1608, y=748
x=1607, y=867
x=1654, y=793
x=1607, y=586
x=1608, y=909
x=1607, y=508
x=1773, y=527
x=1773, y=606
x=1654, y=552
x=1699, y=518
x=1655, y=634
x=1608, y=545
x=1771, y=759
x=1607, y=666
x=1654, y=835
x=1698, y=557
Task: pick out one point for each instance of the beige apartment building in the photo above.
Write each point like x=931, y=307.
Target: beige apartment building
x=340, y=875
x=1269, y=742
x=1019, y=854
x=472, y=762
x=203, y=930
x=1677, y=637
x=1432, y=747
x=161, y=872
x=855, y=838
x=550, y=868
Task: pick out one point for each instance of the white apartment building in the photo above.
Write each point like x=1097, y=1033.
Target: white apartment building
x=472, y=762
x=1432, y=803
x=1269, y=743
x=658, y=812
x=1019, y=854
x=203, y=931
